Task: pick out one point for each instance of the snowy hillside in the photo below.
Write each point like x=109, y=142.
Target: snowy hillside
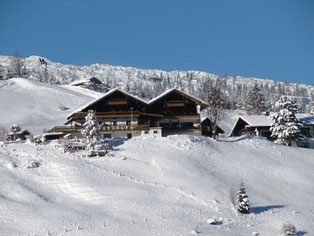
x=150, y=83
x=35, y=106
x=157, y=186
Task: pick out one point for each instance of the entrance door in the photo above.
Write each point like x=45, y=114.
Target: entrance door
x=129, y=135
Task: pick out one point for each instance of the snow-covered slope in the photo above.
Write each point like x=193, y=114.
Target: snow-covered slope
x=35, y=106
x=157, y=186
x=151, y=82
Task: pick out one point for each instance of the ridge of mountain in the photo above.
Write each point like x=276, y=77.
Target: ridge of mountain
x=148, y=83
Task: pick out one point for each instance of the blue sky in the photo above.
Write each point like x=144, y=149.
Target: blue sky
x=265, y=39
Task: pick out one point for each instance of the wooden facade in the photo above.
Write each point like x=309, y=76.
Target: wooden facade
x=180, y=112
x=172, y=112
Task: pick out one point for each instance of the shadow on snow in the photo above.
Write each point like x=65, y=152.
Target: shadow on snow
x=261, y=209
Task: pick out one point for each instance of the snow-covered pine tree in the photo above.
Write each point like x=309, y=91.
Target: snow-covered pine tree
x=15, y=129
x=286, y=126
x=255, y=101
x=243, y=200
x=90, y=131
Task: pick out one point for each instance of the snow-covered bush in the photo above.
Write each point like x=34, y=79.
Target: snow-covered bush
x=32, y=164
x=36, y=139
x=62, y=107
x=243, y=200
x=212, y=221
x=288, y=230
x=15, y=129
x=63, y=144
x=286, y=126
x=68, y=143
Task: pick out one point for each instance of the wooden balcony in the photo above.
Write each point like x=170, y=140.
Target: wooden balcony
x=181, y=116
x=178, y=130
x=124, y=127
x=110, y=114
x=70, y=129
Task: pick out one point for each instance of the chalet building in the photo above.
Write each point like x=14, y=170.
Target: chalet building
x=260, y=125
x=123, y=115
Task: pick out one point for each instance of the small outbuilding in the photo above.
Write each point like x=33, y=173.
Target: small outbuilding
x=253, y=124
x=207, y=128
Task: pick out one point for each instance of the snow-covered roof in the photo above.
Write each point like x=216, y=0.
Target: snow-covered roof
x=264, y=121
x=171, y=90
x=305, y=117
x=80, y=81
x=105, y=95
x=53, y=133
x=257, y=120
x=83, y=81
x=254, y=121
x=203, y=118
x=136, y=98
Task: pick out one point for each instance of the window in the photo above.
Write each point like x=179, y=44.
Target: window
x=187, y=125
x=155, y=131
x=107, y=135
x=146, y=132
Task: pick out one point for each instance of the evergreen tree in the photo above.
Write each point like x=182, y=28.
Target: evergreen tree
x=286, y=126
x=255, y=101
x=90, y=131
x=243, y=200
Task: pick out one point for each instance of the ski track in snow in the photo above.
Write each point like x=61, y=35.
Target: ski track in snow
x=65, y=179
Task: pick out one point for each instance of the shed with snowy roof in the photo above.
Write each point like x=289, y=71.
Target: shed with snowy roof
x=260, y=125
x=253, y=124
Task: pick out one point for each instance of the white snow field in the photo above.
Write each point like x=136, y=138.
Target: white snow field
x=158, y=186
x=35, y=106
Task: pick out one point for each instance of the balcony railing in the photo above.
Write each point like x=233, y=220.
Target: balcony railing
x=72, y=129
